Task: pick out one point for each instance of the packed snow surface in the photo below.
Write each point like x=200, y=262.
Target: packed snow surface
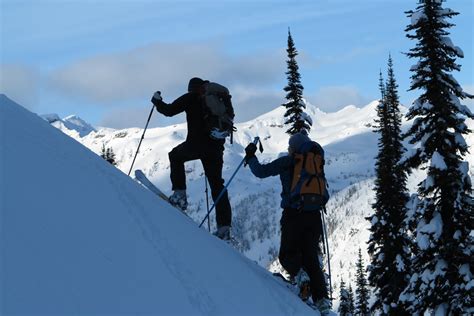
x=80, y=237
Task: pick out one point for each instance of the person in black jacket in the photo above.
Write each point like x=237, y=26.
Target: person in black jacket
x=198, y=145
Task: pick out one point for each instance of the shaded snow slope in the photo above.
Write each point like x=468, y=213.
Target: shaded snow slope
x=80, y=237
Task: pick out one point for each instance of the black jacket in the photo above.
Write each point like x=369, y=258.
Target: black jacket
x=191, y=103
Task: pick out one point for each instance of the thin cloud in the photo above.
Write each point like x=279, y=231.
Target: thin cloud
x=248, y=103
x=348, y=56
x=20, y=83
x=108, y=79
x=334, y=98
x=136, y=117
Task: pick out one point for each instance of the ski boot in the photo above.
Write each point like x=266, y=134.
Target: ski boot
x=324, y=306
x=178, y=199
x=223, y=233
x=302, y=280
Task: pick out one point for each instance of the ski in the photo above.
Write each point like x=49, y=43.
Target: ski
x=143, y=180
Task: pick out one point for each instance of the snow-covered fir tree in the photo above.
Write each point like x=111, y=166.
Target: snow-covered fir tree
x=389, y=244
x=351, y=300
x=111, y=156
x=362, y=291
x=103, y=152
x=442, y=280
x=295, y=116
x=344, y=303
x=108, y=154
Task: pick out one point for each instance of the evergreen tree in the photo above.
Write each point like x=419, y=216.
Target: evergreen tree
x=344, y=304
x=295, y=116
x=389, y=244
x=443, y=218
x=108, y=154
x=103, y=152
x=362, y=291
x=351, y=300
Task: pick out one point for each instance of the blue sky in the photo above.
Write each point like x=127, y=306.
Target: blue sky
x=103, y=59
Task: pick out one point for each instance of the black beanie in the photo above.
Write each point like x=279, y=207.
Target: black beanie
x=297, y=140
x=195, y=83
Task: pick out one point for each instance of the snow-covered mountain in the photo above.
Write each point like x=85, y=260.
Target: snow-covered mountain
x=71, y=125
x=350, y=146
x=80, y=237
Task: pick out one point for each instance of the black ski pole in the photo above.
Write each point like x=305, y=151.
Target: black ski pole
x=207, y=205
x=326, y=245
x=143, y=135
x=255, y=141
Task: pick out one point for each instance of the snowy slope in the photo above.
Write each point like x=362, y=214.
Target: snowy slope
x=350, y=147
x=80, y=237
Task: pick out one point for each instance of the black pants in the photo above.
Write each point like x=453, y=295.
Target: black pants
x=211, y=157
x=300, y=236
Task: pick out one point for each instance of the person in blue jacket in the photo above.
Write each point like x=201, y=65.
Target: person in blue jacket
x=301, y=231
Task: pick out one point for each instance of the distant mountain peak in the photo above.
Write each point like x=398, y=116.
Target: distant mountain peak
x=78, y=124
x=69, y=124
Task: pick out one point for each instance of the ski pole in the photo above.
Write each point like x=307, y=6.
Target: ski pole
x=255, y=141
x=207, y=204
x=143, y=135
x=326, y=244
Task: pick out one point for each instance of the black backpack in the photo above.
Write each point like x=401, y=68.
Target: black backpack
x=218, y=111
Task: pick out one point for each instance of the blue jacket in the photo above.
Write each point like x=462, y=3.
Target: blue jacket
x=282, y=166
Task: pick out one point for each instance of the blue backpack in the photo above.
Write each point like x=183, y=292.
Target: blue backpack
x=309, y=186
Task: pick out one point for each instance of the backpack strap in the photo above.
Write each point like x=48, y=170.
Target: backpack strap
x=298, y=166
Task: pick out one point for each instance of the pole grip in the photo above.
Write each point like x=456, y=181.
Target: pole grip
x=255, y=141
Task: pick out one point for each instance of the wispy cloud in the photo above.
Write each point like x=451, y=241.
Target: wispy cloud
x=248, y=103
x=132, y=75
x=136, y=117
x=334, y=98
x=20, y=83
x=354, y=53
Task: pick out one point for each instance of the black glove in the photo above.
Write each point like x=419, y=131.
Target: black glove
x=156, y=98
x=250, y=151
